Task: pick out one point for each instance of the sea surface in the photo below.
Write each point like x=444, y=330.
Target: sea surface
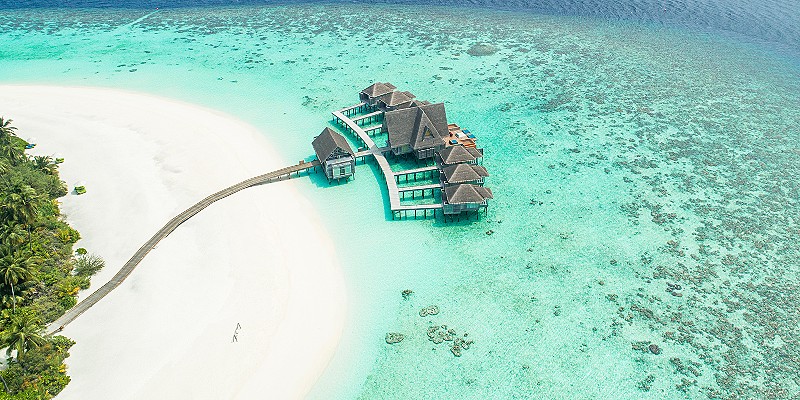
x=644, y=157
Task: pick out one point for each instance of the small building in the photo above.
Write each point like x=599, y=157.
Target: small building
x=371, y=94
x=335, y=154
x=465, y=197
x=452, y=155
x=418, y=130
x=394, y=101
x=463, y=173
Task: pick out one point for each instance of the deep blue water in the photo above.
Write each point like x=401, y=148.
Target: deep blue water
x=774, y=23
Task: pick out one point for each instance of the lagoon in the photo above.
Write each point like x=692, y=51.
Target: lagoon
x=627, y=154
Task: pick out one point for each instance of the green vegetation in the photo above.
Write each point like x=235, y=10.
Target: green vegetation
x=40, y=276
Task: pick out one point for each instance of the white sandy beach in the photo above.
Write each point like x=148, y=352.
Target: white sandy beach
x=258, y=258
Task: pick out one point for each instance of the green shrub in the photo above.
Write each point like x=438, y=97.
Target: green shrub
x=42, y=374
x=67, y=302
x=88, y=265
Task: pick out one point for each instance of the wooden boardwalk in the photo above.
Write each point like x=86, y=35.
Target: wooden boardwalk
x=417, y=170
x=128, y=267
x=420, y=207
x=390, y=176
x=420, y=187
x=353, y=109
x=424, y=172
x=383, y=164
x=363, y=119
x=373, y=130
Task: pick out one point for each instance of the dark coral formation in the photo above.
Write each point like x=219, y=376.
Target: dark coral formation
x=441, y=333
x=430, y=310
x=481, y=49
x=394, y=337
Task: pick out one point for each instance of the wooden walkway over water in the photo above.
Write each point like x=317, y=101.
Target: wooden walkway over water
x=367, y=118
x=389, y=175
x=128, y=267
x=416, y=173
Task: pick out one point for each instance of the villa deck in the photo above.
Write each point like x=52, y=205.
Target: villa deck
x=356, y=108
x=420, y=187
x=374, y=129
x=459, y=137
x=364, y=119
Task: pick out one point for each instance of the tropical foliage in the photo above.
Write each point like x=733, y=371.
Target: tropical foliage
x=40, y=275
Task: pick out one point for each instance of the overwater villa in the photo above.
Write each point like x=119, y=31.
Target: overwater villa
x=371, y=94
x=420, y=130
x=334, y=154
x=417, y=129
x=462, y=173
x=452, y=155
x=457, y=199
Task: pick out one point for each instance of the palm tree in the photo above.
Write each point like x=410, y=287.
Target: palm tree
x=8, y=149
x=24, y=332
x=6, y=130
x=7, y=301
x=21, y=203
x=45, y=164
x=16, y=266
x=13, y=153
x=12, y=233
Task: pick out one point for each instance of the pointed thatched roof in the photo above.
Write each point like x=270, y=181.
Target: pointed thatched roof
x=476, y=152
x=460, y=173
x=327, y=142
x=417, y=103
x=378, y=89
x=420, y=127
x=455, y=155
x=467, y=193
x=393, y=99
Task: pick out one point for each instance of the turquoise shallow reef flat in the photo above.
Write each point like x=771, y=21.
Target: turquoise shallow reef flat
x=644, y=241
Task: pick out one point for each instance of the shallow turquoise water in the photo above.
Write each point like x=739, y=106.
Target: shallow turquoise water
x=623, y=157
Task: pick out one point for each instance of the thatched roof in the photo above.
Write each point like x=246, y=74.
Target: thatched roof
x=460, y=173
x=456, y=154
x=327, y=142
x=393, y=99
x=378, y=89
x=467, y=193
x=420, y=127
x=417, y=103
x=477, y=153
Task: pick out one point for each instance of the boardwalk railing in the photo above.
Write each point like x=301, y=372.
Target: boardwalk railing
x=128, y=267
x=391, y=177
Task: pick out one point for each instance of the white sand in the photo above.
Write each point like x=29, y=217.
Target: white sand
x=258, y=258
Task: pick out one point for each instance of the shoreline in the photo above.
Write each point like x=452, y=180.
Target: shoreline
x=242, y=265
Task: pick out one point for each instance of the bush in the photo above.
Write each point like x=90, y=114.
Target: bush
x=42, y=374
x=88, y=265
x=81, y=251
x=68, y=235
